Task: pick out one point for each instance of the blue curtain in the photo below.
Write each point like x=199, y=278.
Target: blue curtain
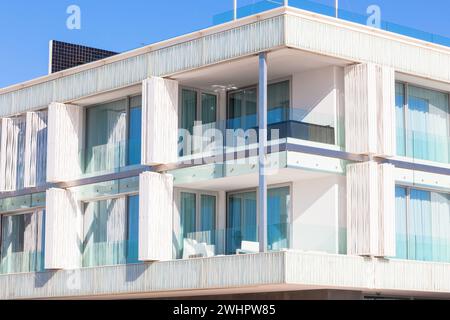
x=428, y=136
x=208, y=212
x=423, y=226
x=188, y=212
x=133, y=229
x=277, y=218
x=134, y=132
x=400, y=118
x=242, y=217
x=400, y=225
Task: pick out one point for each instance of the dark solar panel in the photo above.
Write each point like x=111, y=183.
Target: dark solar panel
x=67, y=55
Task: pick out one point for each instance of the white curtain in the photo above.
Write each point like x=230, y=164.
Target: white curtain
x=106, y=130
x=440, y=208
x=22, y=242
x=428, y=124
x=36, y=149
x=12, y=154
x=105, y=232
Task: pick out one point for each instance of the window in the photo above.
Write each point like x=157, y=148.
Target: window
x=22, y=242
x=113, y=135
x=111, y=231
x=422, y=123
x=422, y=225
x=198, y=218
x=242, y=219
x=196, y=106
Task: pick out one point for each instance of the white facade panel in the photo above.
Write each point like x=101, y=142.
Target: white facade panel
x=63, y=230
x=160, y=119
x=65, y=142
x=155, y=216
x=36, y=149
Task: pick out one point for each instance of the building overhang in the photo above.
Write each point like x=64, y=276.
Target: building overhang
x=265, y=272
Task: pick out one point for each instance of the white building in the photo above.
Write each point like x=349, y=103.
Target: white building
x=100, y=197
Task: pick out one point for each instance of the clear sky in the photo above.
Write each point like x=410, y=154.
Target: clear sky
x=26, y=26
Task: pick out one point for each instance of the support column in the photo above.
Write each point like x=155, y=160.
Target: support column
x=262, y=115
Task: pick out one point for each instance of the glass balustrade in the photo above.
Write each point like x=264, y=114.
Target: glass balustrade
x=110, y=253
x=22, y=262
x=283, y=123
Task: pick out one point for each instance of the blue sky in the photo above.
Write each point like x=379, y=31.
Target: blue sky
x=27, y=26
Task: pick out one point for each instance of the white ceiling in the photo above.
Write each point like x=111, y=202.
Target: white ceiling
x=244, y=72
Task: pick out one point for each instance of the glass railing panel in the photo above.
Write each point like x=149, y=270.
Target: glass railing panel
x=296, y=123
x=231, y=241
x=422, y=248
x=424, y=146
x=110, y=253
x=22, y=202
x=22, y=262
x=327, y=8
x=111, y=158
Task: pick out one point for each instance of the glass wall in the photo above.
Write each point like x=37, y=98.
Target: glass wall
x=111, y=231
x=422, y=225
x=242, y=219
x=113, y=135
x=198, y=224
x=22, y=242
x=422, y=123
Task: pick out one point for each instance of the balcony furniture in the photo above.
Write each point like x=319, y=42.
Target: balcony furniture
x=193, y=249
x=248, y=247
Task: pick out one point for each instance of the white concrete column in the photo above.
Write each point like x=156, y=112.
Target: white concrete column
x=370, y=209
x=155, y=216
x=370, y=110
x=160, y=121
x=65, y=142
x=63, y=230
x=262, y=116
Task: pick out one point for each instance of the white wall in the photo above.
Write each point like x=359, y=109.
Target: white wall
x=319, y=210
x=320, y=93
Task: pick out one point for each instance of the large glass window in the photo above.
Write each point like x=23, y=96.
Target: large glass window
x=198, y=223
x=22, y=242
x=110, y=231
x=242, y=219
x=113, y=135
x=422, y=225
x=422, y=123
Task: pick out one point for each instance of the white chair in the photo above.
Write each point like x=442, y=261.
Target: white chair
x=193, y=249
x=248, y=247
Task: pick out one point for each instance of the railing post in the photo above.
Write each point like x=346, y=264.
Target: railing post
x=286, y=3
x=262, y=114
x=234, y=9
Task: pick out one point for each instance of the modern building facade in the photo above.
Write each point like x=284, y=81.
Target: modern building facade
x=147, y=175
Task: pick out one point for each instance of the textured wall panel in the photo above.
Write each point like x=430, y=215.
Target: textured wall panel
x=63, y=230
x=370, y=109
x=387, y=235
x=326, y=37
x=65, y=142
x=160, y=116
x=371, y=209
x=155, y=216
x=362, y=209
x=12, y=153
x=213, y=48
x=36, y=149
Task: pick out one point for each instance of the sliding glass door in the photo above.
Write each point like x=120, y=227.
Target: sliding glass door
x=196, y=106
x=22, y=242
x=422, y=225
x=113, y=135
x=111, y=231
x=422, y=123
x=198, y=223
x=242, y=221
